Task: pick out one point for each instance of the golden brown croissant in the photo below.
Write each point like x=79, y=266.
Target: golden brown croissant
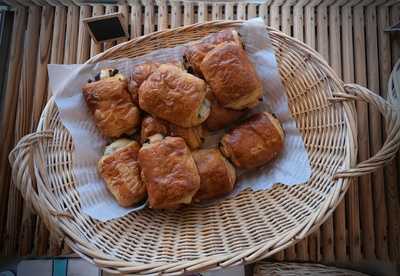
x=169, y=171
x=121, y=172
x=232, y=77
x=196, y=51
x=217, y=175
x=172, y=94
x=111, y=105
x=139, y=75
x=254, y=143
x=141, y=72
x=220, y=117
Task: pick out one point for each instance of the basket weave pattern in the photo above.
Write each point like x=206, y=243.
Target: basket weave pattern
x=301, y=269
x=246, y=228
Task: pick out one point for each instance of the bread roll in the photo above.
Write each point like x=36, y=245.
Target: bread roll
x=220, y=117
x=254, y=143
x=232, y=77
x=109, y=102
x=141, y=72
x=217, y=175
x=172, y=94
x=121, y=172
x=169, y=171
x=196, y=51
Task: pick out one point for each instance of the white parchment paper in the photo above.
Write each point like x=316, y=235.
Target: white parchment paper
x=292, y=166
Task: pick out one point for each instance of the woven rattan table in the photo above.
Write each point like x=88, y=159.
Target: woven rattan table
x=348, y=34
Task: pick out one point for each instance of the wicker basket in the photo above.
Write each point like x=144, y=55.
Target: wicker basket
x=301, y=269
x=246, y=228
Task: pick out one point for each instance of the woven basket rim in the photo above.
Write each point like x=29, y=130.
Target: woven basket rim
x=265, y=268
x=83, y=247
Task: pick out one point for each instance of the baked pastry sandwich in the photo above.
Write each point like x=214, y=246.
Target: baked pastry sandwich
x=232, y=77
x=196, y=51
x=169, y=172
x=110, y=103
x=119, y=168
x=172, y=94
x=255, y=142
x=141, y=72
x=217, y=174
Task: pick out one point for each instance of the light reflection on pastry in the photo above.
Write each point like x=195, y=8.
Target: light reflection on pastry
x=232, y=77
x=169, y=172
x=255, y=142
x=110, y=104
x=120, y=170
x=172, y=94
x=217, y=175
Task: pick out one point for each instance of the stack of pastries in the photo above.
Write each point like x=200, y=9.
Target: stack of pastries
x=157, y=118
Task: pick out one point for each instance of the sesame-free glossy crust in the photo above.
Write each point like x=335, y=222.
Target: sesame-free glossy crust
x=217, y=175
x=172, y=94
x=141, y=72
x=169, y=171
x=231, y=76
x=196, y=51
x=121, y=172
x=255, y=142
x=111, y=106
